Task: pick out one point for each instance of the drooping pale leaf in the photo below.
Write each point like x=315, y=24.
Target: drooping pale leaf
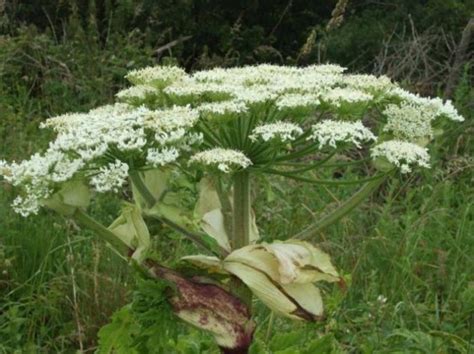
x=173, y=213
x=155, y=181
x=132, y=230
x=254, y=235
x=73, y=194
x=257, y=257
x=208, y=198
x=308, y=296
x=301, y=262
x=262, y=287
x=210, y=263
x=213, y=224
x=208, y=211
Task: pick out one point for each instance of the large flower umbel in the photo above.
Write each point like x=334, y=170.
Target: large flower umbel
x=281, y=274
x=226, y=121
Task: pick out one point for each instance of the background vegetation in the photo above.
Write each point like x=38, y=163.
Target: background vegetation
x=411, y=243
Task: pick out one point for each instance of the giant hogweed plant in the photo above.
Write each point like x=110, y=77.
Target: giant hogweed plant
x=187, y=148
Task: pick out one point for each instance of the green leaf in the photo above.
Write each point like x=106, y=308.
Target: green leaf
x=286, y=340
x=325, y=344
x=117, y=336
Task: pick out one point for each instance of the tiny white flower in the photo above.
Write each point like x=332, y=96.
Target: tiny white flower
x=330, y=132
x=402, y=154
x=155, y=75
x=338, y=95
x=161, y=157
x=408, y=121
x=139, y=91
x=224, y=159
x=294, y=100
x=223, y=107
x=282, y=130
x=110, y=177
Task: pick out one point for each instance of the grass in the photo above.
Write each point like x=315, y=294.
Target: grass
x=410, y=243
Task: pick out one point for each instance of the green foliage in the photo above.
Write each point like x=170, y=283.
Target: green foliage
x=117, y=336
x=148, y=325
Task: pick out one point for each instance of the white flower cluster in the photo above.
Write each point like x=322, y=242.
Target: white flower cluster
x=160, y=124
x=338, y=96
x=110, y=177
x=36, y=176
x=172, y=124
x=408, y=122
x=137, y=92
x=158, y=76
x=293, y=100
x=368, y=82
x=402, y=154
x=330, y=132
x=161, y=157
x=433, y=106
x=282, y=130
x=223, y=107
x=226, y=160
x=85, y=138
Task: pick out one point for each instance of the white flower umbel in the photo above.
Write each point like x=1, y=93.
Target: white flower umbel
x=326, y=69
x=139, y=91
x=434, y=106
x=408, y=122
x=338, y=96
x=111, y=177
x=367, y=82
x=223, y=107
x=402, y=154
x=190, y=88
x=225, y=160
x=278, y=130
x=25, y=206
x=155, y=75
x=161, y=157
x=294, y=100
x=65, y=168
x=168, y=119
x=447, y=109
x=330, y=132
x=254, y=94
x=4, y=168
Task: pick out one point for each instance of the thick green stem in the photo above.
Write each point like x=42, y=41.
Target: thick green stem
x=241, y=211
x=100, y=230
x=344, y=209
x=241, y=227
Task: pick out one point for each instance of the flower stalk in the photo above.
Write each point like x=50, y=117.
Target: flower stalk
x=241, y=227
x=100, y=230
x=241, y=212
x=344, y=209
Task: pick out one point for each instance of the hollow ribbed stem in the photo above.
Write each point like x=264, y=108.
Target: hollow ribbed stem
x=345, y=208
x=241, y=228
x=241, y=211
x=100, y=230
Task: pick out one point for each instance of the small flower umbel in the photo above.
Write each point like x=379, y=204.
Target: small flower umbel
x=183, y=150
